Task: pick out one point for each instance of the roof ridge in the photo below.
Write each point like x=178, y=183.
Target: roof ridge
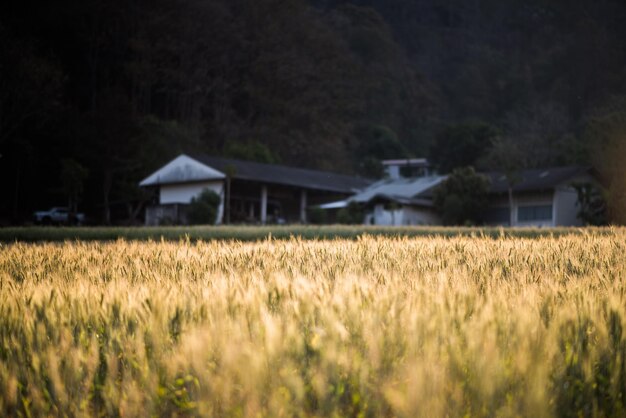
x=303, y=169
x=557, y=167
x=281, y=174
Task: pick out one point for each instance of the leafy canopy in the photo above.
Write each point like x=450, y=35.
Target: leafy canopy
x=203, y=208
x=462, y=145
x=351, y=214
x=462, y=197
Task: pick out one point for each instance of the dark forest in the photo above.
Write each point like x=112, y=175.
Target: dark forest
x=96, y=94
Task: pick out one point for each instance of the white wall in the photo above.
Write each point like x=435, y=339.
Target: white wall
x=182, y=193
x=403, y=216
x=566, y=207
x=566, y=201
x=420, y=216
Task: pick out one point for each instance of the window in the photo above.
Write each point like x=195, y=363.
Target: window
x=534, y=213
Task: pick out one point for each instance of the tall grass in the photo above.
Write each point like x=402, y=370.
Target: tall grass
x=256, y=233
x=404, y=327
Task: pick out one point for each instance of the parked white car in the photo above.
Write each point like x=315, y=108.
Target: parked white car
x=57, y=216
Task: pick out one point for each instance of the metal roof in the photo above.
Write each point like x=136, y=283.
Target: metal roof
x=535, y=179
x=413, y=162
x=530, y=180
x=334, y=205
x=182, y=169
x=402, y=190
x=283, y=175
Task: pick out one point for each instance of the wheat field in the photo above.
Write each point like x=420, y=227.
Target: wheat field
x=407, y=327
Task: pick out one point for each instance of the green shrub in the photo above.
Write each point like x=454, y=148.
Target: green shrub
x=350, y=215
x=203, y=208
x=318, y=216
x=462, y=197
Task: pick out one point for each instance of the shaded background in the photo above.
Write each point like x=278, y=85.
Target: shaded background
x=95, y=94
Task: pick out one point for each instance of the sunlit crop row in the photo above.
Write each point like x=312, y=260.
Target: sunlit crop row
x=374, y=327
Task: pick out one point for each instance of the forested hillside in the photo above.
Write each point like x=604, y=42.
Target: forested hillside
x=96, y=94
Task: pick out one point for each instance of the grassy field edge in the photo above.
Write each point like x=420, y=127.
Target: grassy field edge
x=258, y=233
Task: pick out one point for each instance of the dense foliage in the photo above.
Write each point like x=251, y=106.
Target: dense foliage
x=462, y=197
x=353, y=214
x=120, y=87
x=463, y=145
x=204, y=208
x=374, y=327
x=591, y=204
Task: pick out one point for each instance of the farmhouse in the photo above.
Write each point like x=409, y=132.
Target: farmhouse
x=267, y=193
x=250, y=192
x=541, y=197
x=398, y=198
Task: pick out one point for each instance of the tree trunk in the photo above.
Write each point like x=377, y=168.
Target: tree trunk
x=106, y=189
x=511, y=211
x=133, y=211
x=227, y=203
x=16, y=199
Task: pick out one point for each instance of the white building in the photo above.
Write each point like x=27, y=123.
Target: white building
x=267, y=193
x=397, y=199
x=250, y=192
x=541, y=197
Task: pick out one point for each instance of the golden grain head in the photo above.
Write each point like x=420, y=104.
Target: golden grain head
x=372, y=327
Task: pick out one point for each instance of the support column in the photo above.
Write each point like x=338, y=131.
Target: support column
x=555, y=208
x=263, y=204
x=303, y=206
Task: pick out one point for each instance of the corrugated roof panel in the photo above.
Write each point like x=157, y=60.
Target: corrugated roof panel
x=399, y=189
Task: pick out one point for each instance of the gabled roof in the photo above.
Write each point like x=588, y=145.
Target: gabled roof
x=540, y=179
x=217, y=168
x=182, y=169
x=402, y=190
x=530, y=180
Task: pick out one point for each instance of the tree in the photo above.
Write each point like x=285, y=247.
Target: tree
x=301, y=78
x=203, y=208
x=350, y=215
x=606, y=134
x=461, y=198
x=592, y=204
x=230, y=171
x=109, y=130
x=317, y=216
x=155, y=142
x=613, y=173
x=505, y=156
x=30, y=88
x=391, y=93
x=462, y=145
x=376, y=143
x=250, y=151
x=73, y=176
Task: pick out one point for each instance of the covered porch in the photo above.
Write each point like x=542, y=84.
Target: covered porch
x=262, y=203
